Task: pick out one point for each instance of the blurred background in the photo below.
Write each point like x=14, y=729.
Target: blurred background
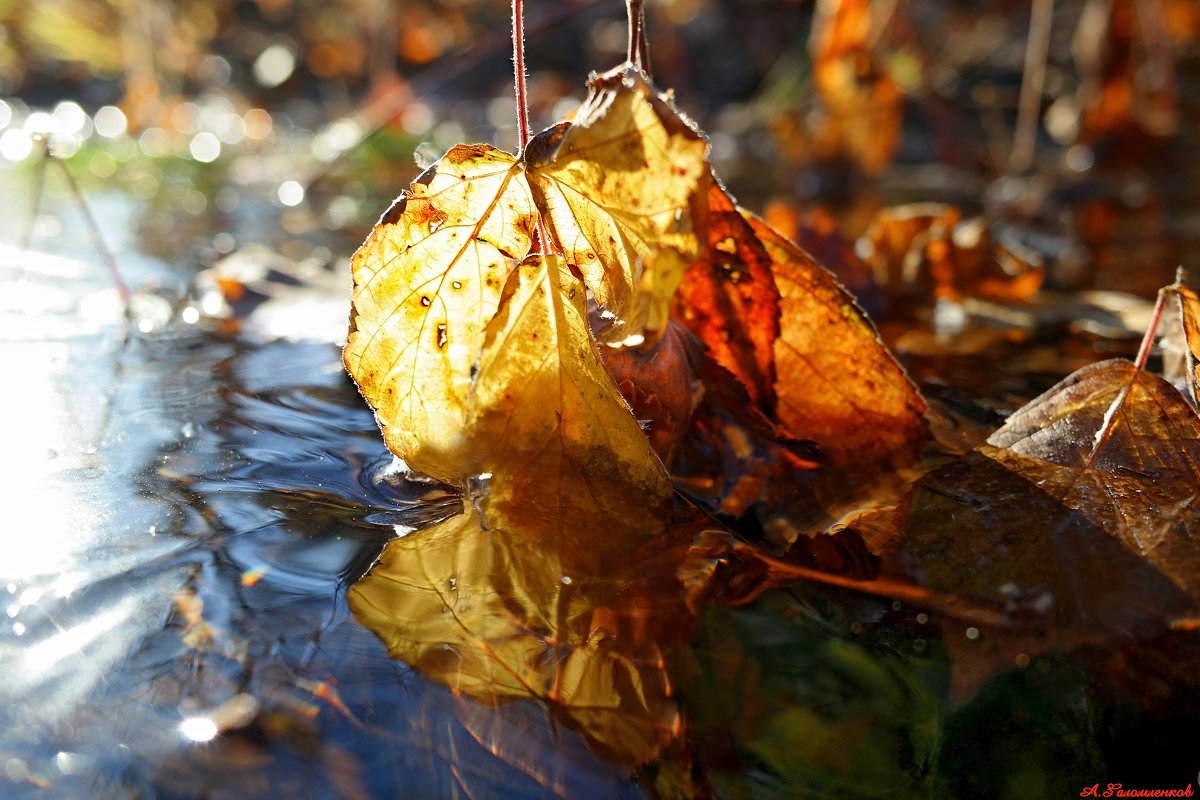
x=290, y=122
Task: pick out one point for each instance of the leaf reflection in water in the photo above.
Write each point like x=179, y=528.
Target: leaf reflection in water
x=495, y=618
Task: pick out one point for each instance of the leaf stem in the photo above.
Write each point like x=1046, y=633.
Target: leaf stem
x=638, y=51
x=518, y=38
x=1110, y=416
x=1148, y=339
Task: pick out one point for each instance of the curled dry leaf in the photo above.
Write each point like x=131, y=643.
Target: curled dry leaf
x=1181, y=345
x=617, y=188
x=1095, y=525
x=491, y=617
x=926, y=251
x=428, y=279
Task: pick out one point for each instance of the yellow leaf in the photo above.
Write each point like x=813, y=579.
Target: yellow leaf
x=617, y=195
x=426, y=282
x=487, y=614
x=552, y=429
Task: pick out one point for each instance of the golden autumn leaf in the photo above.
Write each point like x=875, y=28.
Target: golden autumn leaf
x=427, y=280
x=617, y=189
x=837, y=384
x=488, y=614
x=550, y=427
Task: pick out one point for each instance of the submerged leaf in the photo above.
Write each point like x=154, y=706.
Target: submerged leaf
x=1099, y=529
x=426, y=282
x=1140, y=477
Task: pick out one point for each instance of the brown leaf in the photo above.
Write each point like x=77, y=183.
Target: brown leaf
x=837, y=384
x=1140, y=476
x=1098, y=531
x=801, y=347
x=720, y=450
x=661, y=387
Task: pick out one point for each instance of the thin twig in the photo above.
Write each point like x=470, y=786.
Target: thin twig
x=106, y=254
x=1033, y=80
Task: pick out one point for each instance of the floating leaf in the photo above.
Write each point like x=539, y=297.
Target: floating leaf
x=1061, y=512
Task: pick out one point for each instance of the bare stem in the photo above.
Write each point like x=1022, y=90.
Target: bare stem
x=638, y=50
x=106, y=255
x=1032, y=82
x=518, y=31
x=39, y=182
x=1148, y=339
x=1110, y=417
